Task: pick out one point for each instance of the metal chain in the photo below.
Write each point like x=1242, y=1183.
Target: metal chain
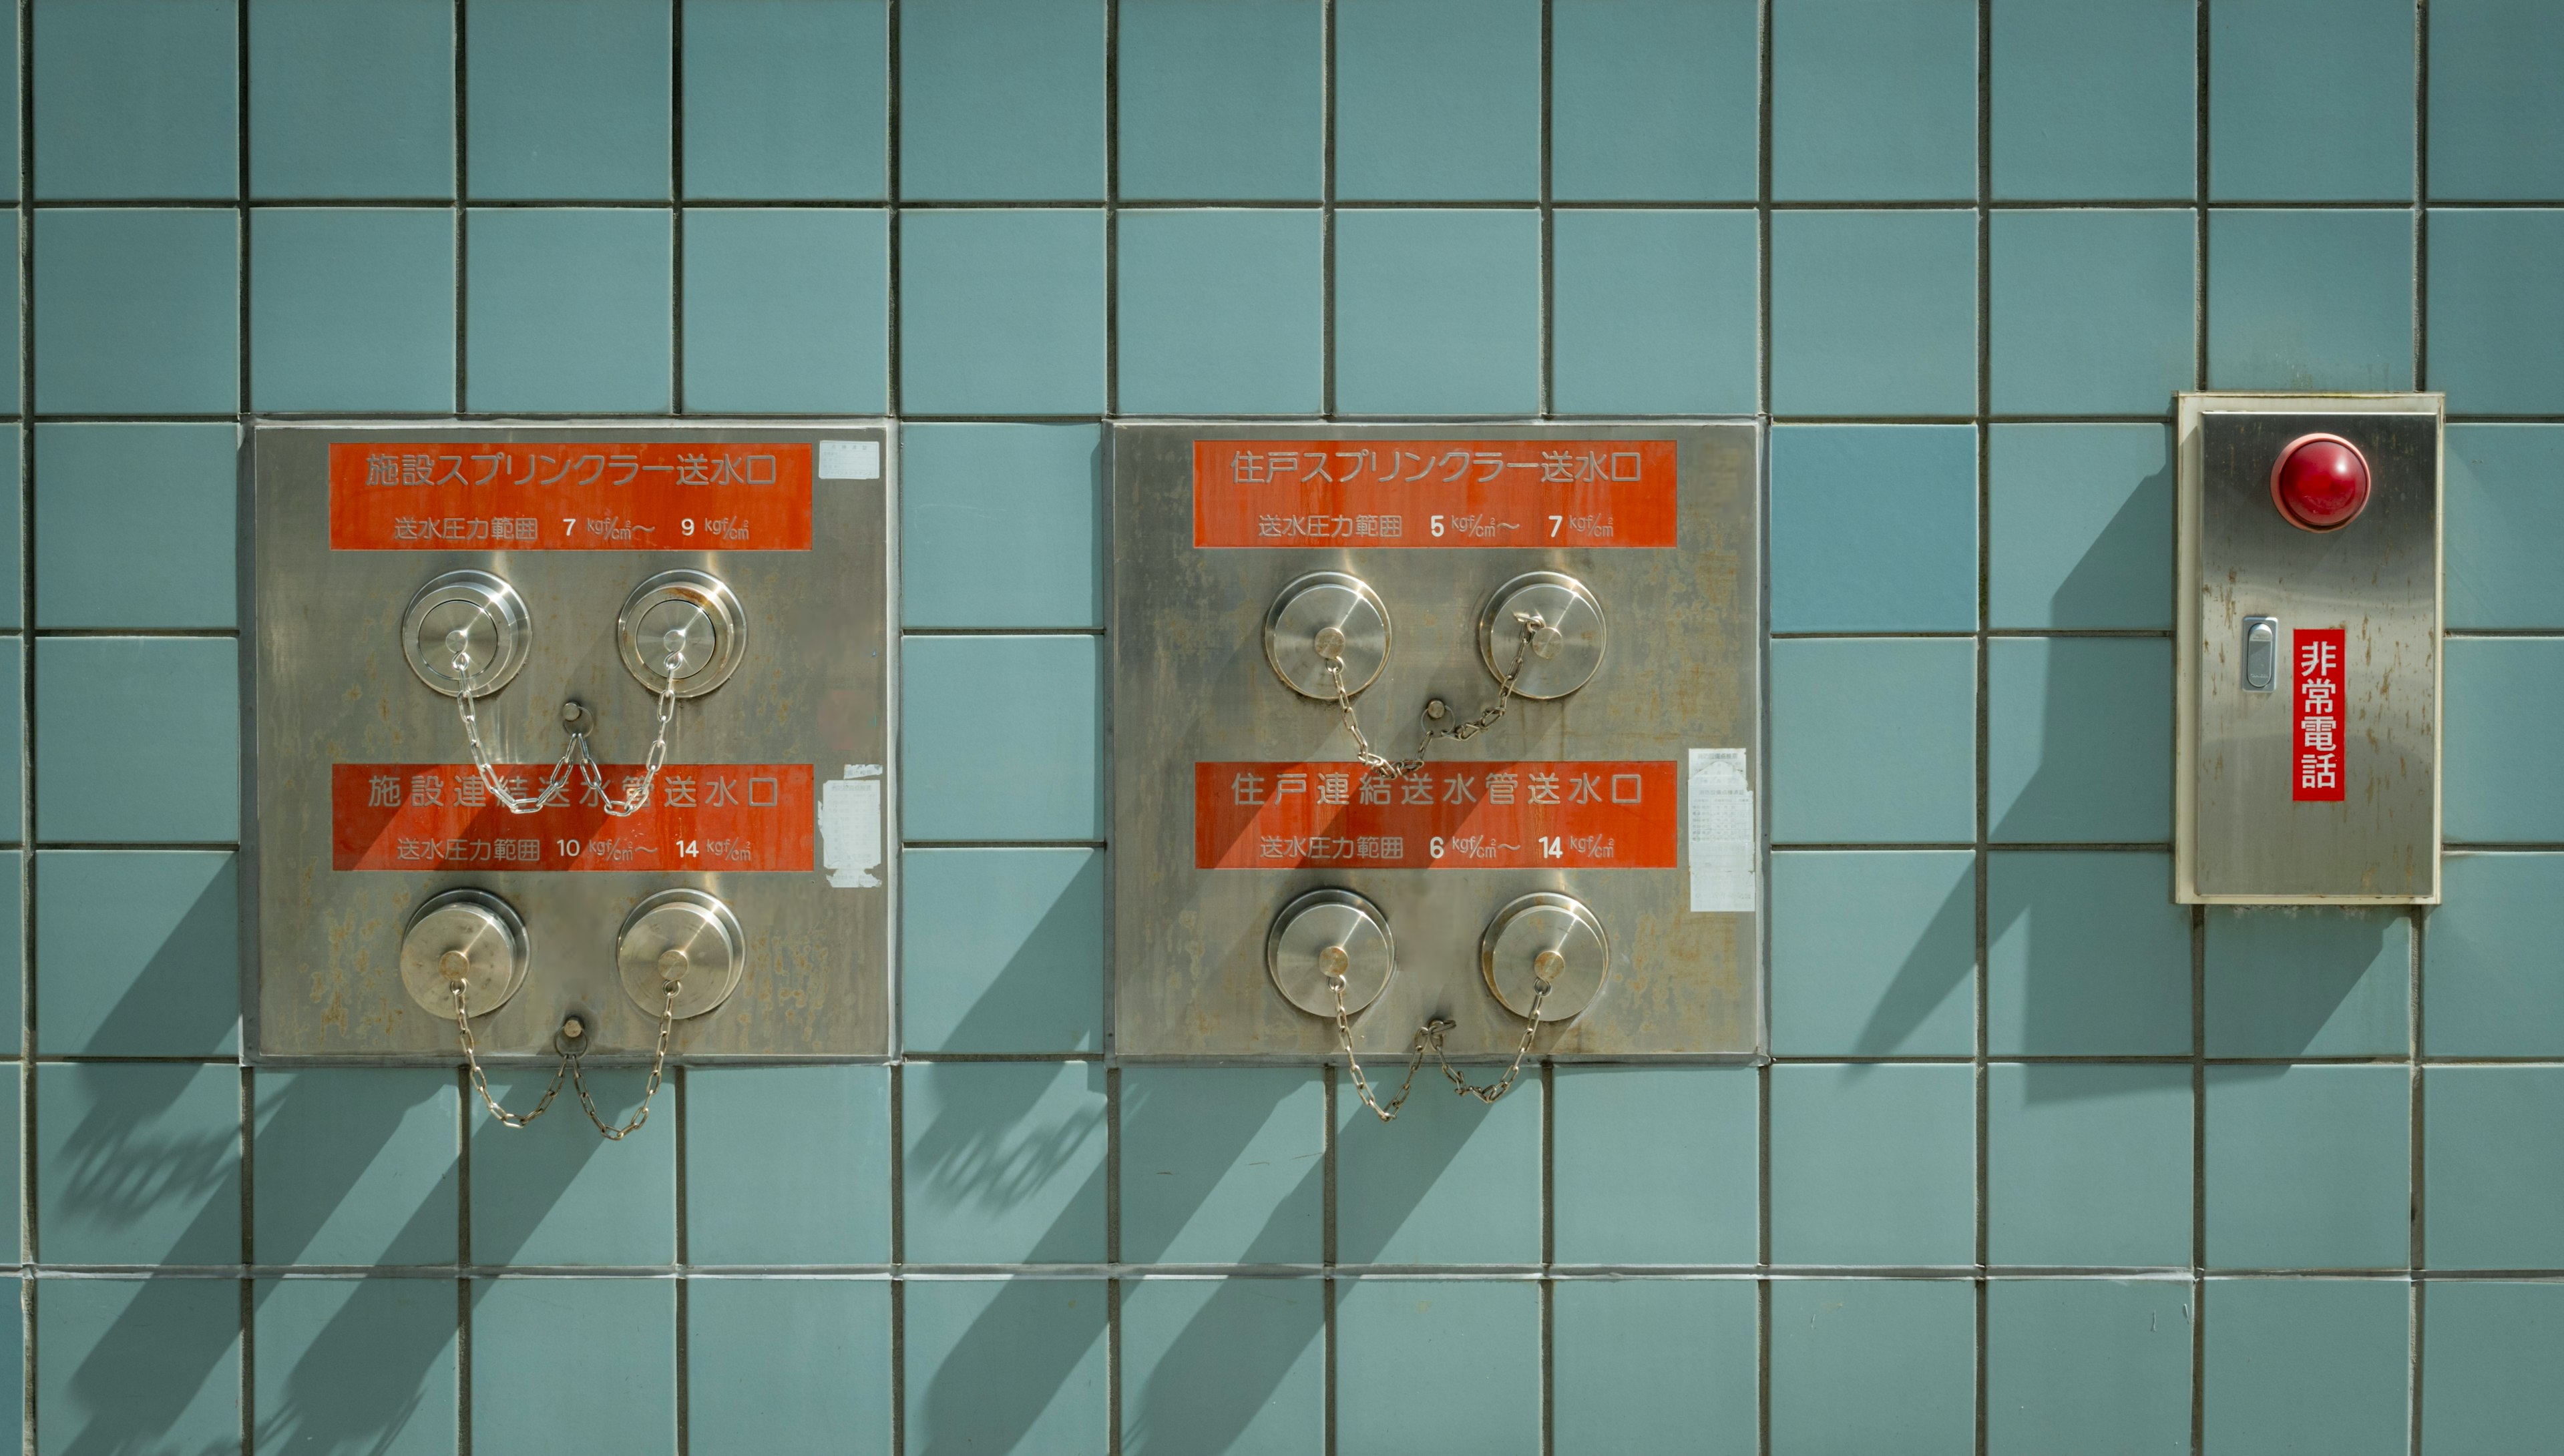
x=636, y=798
x=1458, y=733
x=1361, y=1084
x=657, y=1065
x=481, y=1079
x=554, y=787
x=1502, y=1084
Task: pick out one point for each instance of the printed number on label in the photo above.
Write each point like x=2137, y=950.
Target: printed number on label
x=568, y=846
x=1436, y=846
x=1552, y=847
x=1437, y=526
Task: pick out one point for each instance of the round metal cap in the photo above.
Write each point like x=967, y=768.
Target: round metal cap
x=686, y=936
x=469, y=611
x=468, y=934
x=1548, y=937
x=690, y=616
x=1567, y=629
x=1326, y=934
x=1327, y=616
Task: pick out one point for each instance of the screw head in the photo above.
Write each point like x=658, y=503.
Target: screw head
x=1436, y=709
x=1333, y=963
x=1328, y=643
x=454, y=966
x=1546, y=966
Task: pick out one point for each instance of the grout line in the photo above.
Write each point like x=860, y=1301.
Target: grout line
x=1980, y=1078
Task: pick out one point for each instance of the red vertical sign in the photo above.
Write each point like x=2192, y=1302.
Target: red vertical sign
x=2316, y=740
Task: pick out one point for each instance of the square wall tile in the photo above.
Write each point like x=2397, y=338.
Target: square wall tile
x=2495, y=309
x=2079, y=741
x=2496, y=121
x=138, y=1164
x=13, y=954
x=11, y=291
x=1873, y=1364
x=1001, y=99
x=1004, y=1164
x=568, y=310
x=787, y=1364
x=2086, y=1366
x=1222, y=1165
x=138, y=310
x=1643, y=1365
x=1625, y=1192
x=137, y=99
x=1847, y=772
x=2087, y=955
x=357, y=1166
x=355, y=1363
x=968, y=772
x=142, y=738
x=135, y=526
x=1474, y=1344
x=2088, y=1165
x=1873, y=100
x=1001, y=311
x=351, y=308
x=1002, y=526
x=2495, y=783
x=2503, y=511
x=1437, y=312
x=623, y=1365
x=556, y=1194
x=350, y=101
x=1222, y=313
x=2309, y=982
x=1221, y=99
x=138, y=1364
x=2094, y=99
x=568, y=99
x=1652, y=100
x=1873, y=1164
x=2082, y=526
x=1874, y=313
x=788, y=1165
x=1452, y=1181
x=2093, y=309
x=2310, y=300
x=1438, y=100
x=13, y=501
x=1002, y=950
x=2493, y=1151
x=1896, y=979
x=138, y=952
x=1223, y=1365
x=787, y=101
x=787, y=310
x=2488, y=985
x=2310, y=1365
x=2309, y=1168
x=1654, y=313
x=2312, y=101
x=1005, y=1365
x=2489, y=1386
x=1873, y=529
x=12, y=737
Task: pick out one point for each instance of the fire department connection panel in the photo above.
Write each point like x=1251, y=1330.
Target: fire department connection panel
x=568, y=740
x=2308, y=671
x=1434, y=730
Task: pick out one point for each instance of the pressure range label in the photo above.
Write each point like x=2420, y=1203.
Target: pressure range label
x=709, y=817
x=1613, y=815
x=1433, y=493
x=570, y=496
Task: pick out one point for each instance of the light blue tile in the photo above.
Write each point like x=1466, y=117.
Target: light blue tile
x=1222, y=1165
x=137, y=99
x=9, y=96
x=13, y=500
x=1652, y=100
x=2088, y=1164
x=1001, y=311
x=1002, y=98
x=2504, y=514
x=2489, y=987
x=1221, y=99
x=567, y=99
x=787, y=1364
x=1873, y=529
x=2308, y=1167
x=1222, y=313
x=2094, y=99
x=1452, y=1182
x=1654, y=313
x=556, y=1194
x=1655, y=1365
x=567, y=310
x=2303, y=1364
x=1235, y=1366
x=1002, y=950
x=138, y=1364
x=787, y=101
x=356, y=1165
x=969, y=773
x=1873, y=100
x=2087, y=1366
x=2490, y=1387
x=1623, y=1195
x=2079, y=740
x=1873, y=1164
x=351, y=308
x=1004, y=1164
x=1006, y=1365
x=134, y=525
x=1002, y=526
x=138, y=953
x=1437, y=312
x=2311, y=99
x=138, y=310
x=2087, y=957
x=1874, y=313
x=138, y=1164
x=2092, y=309
x=2082, y=526
x=13, y=954
x=1898, y=978
x=11, y=292
x=1474, y=1344
x=1863, y=1365
x=2497, y=783
x=2496, y=121
x=623, y=1365
x=787, y=310
x=12, y=739
x=1847, y=772
x=2307, y=982
x=2494, y=1155
x=355, y=1364
x=2496, y=309
x=2310, y=300
x=142, y=738
x=1438, y=100
x=788, y=1165
x=350, y=101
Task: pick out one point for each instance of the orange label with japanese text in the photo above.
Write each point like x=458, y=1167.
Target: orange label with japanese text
x=1433, y=493
x=1610, y=815
x=570, y=496
x=441, y=816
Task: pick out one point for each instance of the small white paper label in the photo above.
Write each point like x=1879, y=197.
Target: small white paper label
x=1722, y=831
x=850, y=827
x=850, y=460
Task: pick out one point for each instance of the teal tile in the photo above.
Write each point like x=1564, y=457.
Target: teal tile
x=12, y=1184
x=568, y=99
x=1438, y=100
x=136, y=99
x=2495, y=783
x=1221, y=99
x=2488, y=1387
x=1652, y=100
x=1452, y=1182
x=1622, y=1193
x=1874, y=313
x=2308, y=1167
x=2088, y=1165
x=355, y=1364
x=2311, y=100
x=2087, y=955
x=142, y=738
x=9, y=97
x=1222, y=1165
x=1001, y=99
x=138, y=310
x=1437, y=312
x=968, y=772
x=1861, y=1365
x=1004, y=1164
x=787, y=101
x=12, y=740
x=2092, y=310
x=134, y=525
x=2495, y=309
x=1896, y=979
x=356, y=1165
x=350, y=101
x=351, y=308
x=13, y=941
x=2081, y=525
x=2310, y=300
x=138, y=952
x=2309, y=982
x=1001, y=311
x=1873, y=1164
x=138, y=1364
x=1654, y=313
x=11, y=292
x=567, y=310
x=1474, y=1344
x=1002, y=950
x=1873, y=100
x=787, y=1364
x=1002, y=526
x=788, y=1165
x=2304, y=1365
x=138, y=1164
x=2496, y=121
x=1234, y=1365
x=787, y=310
x=556, y=1194
x=2501, y=517
x=2087, y=1366
x=2094, y=99
x=2493, y=1166
x=1873, y=529
x=13, y=501
x=1221, y=312
x=1655, y=1365
x=2079, y=740
x=1847, y=772
x=2487, y=983
x=622, y=1365
x=1006, y=1365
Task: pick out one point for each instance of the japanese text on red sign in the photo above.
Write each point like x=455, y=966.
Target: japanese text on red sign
x=440, y=816
x=570, y=496
x=1448, y=816
x=2318, y=744
x=1433, y=493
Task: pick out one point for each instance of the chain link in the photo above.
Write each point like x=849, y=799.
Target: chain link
x=1502, y=1084
x=1387, y=767
x=1361, y=1084
x=576, y=755
x=481, y=1079
x=636, y=798
x=554, y=787
x=657, y=1065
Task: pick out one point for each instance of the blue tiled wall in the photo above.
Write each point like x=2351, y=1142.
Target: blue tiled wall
x=2040, y=1162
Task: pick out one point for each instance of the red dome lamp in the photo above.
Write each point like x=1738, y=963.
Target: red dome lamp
x=2320, y=483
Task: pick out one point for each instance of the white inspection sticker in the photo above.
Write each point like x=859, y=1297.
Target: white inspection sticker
x=850, y=827
x=850, y=460
x=1722, y=831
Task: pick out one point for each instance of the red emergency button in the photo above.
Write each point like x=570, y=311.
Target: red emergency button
x=2320, y=482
